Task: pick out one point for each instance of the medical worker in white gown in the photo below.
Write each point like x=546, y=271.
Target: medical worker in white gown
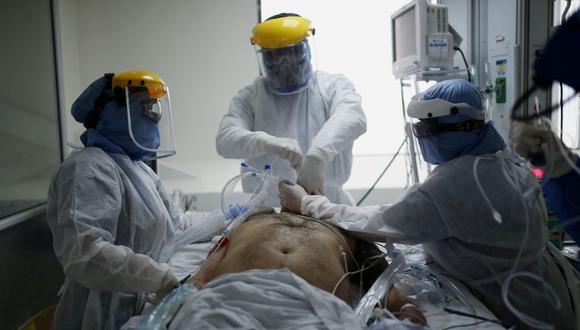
x=472, y=229
x=113, y=223
x=308, y=119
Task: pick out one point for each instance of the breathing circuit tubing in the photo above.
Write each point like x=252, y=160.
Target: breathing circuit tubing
x=259, y=195
x=505, y=284
x=386, y=280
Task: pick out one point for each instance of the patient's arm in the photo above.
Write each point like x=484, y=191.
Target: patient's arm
x=402, y=308
x=207, y=272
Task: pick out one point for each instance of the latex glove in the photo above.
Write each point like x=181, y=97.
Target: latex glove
x=168, y=283
x=532, y=141
x=291, y=196
x=286, y=148
x=311, y=175
x=235, y=210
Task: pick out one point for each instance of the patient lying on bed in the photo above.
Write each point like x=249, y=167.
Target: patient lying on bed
x=276, y=268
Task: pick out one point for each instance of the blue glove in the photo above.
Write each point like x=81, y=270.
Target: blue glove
x=235, y=210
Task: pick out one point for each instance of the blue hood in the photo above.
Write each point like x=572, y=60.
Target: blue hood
x=450, y=145
x=112, y=130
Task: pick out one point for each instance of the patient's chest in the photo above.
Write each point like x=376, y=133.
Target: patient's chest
x=310, y=250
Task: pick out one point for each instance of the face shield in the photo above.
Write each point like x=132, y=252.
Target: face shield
x=447, y=130
x=283, y=45
x=150, y=120
x=287, y=70
x=430, y=118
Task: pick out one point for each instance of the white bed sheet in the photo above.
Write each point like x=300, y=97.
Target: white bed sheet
x=188, y=259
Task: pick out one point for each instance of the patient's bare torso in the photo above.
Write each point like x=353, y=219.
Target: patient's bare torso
x=314, y=251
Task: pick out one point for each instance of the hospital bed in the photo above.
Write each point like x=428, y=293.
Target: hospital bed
x=189, y=258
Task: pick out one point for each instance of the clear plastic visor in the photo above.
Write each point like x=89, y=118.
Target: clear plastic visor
x=287, y=70
x=150, y=122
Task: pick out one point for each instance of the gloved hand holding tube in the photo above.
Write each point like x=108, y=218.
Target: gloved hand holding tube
x=291, y=196
x=286, y=148
x=311, y=175
x=541, y=146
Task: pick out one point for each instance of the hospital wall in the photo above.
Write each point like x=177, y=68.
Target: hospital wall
x=30, y=275
x=29, y=137
x=200, y=49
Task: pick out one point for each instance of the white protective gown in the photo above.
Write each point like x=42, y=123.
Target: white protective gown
x=113, y=227
x=326, y=117
x=448, y=214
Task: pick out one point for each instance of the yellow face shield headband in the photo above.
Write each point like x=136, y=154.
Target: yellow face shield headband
x=281, y=32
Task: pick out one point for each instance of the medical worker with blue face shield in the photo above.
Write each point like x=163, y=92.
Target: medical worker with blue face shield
x=113, y=223
x=301, y=121
x=475, y=214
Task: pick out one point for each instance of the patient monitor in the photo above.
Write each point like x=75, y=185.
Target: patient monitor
x=422, y=39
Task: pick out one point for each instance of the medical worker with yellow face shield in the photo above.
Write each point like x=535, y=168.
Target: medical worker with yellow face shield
x=479, y=215
x=301, y=121
x=113, y=223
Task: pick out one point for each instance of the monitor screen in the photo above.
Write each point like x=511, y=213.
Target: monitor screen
x=404, y=34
